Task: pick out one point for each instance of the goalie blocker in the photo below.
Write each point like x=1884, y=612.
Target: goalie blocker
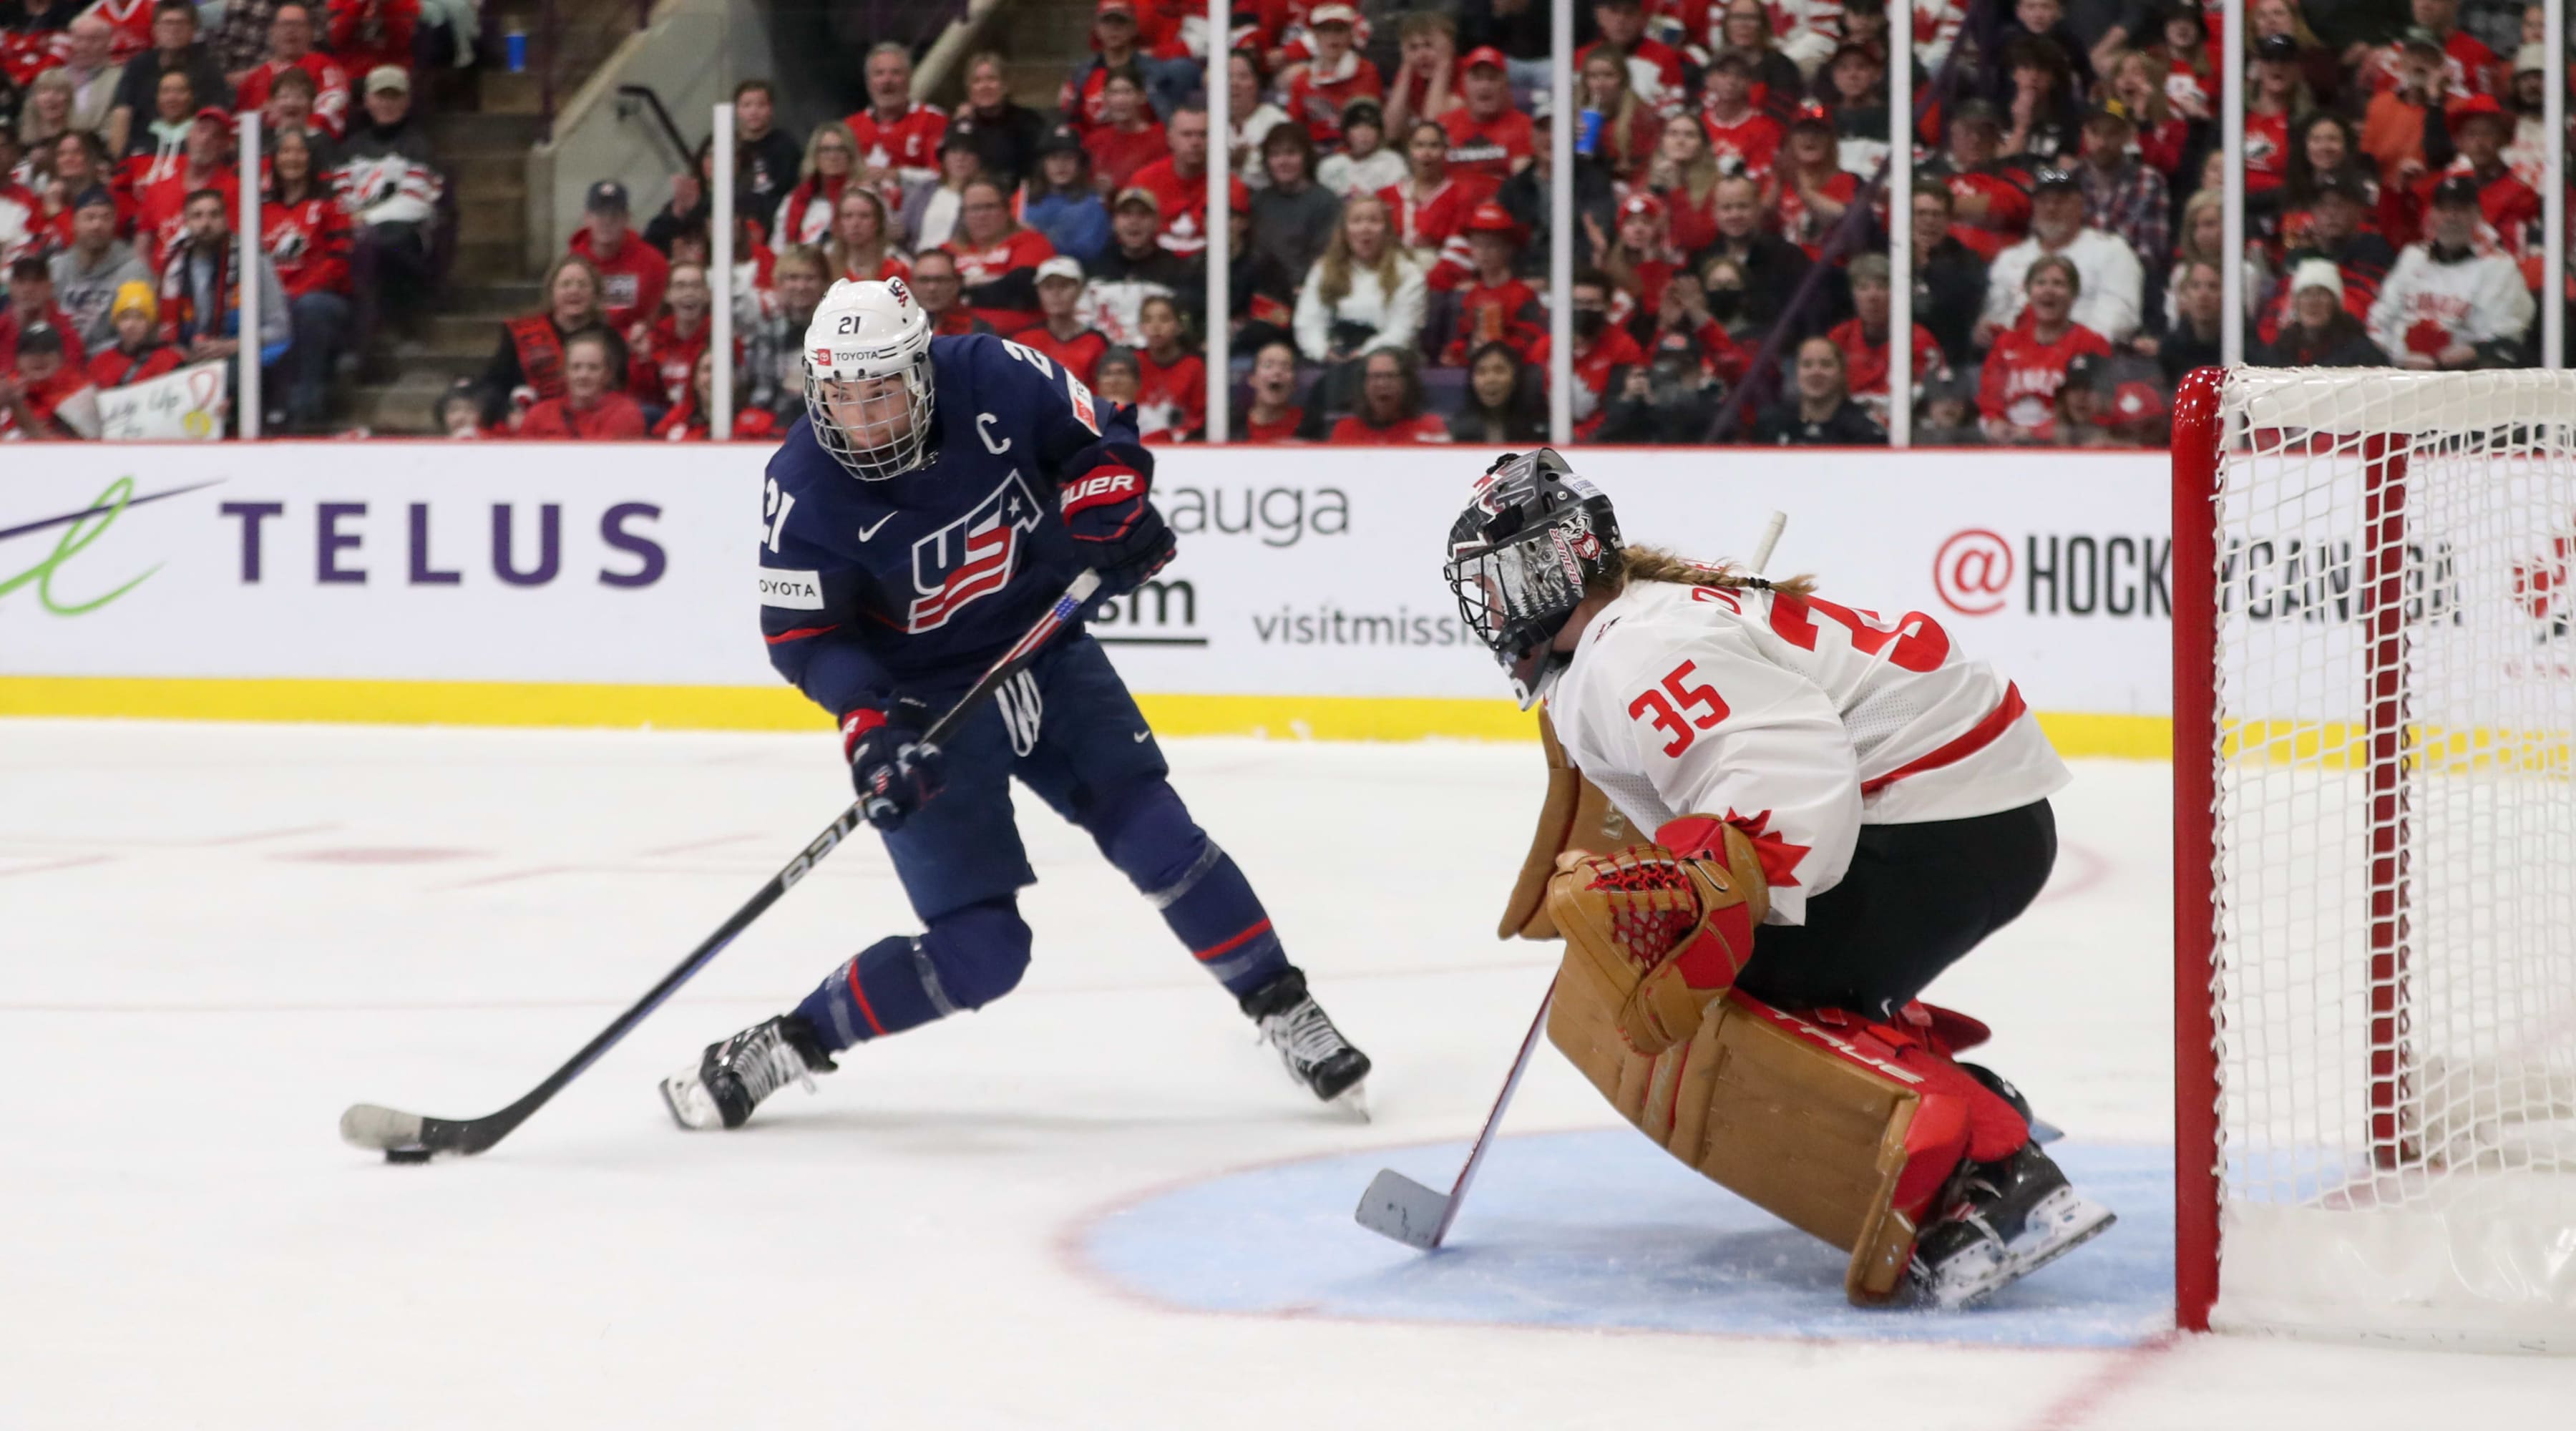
x=1742, y=988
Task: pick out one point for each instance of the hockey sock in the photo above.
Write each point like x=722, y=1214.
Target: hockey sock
x=965, y=960
x=1147, y=833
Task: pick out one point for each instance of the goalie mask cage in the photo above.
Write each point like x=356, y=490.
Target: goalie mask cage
x=2374, y=582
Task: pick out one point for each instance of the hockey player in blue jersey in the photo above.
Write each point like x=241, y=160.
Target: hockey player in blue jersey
x=939, y=494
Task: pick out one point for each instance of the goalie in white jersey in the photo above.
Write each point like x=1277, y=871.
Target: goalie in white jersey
x=1841, y=806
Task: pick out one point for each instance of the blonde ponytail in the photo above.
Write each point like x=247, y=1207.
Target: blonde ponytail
x=1656, y=564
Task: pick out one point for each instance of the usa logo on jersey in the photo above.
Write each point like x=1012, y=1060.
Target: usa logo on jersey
x=972, y=556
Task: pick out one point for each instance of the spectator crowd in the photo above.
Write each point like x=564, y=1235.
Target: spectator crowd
x=1389, y=216
x=120, y=187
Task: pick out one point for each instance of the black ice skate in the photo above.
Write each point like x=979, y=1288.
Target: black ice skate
x=2005, y=1220
x=730, y=1078
x=1314, y=1051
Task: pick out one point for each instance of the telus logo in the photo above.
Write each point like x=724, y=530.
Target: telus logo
x=340, y=545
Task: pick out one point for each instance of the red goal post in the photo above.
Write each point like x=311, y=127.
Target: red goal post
x=2374, y=686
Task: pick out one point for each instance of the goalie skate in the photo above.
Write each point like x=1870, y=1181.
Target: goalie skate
x=731, y=1078
x=2011, y=1218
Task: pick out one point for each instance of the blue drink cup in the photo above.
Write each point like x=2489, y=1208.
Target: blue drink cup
x=1587, y=131
x=514, y=44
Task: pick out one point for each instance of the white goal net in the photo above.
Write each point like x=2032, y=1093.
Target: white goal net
x=2385, y=578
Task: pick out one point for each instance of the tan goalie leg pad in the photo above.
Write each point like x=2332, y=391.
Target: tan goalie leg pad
x=1575, y=815
x=1759, y=1107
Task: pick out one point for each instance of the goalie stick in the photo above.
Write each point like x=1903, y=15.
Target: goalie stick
x=1398, y=1207
x=410, y=1137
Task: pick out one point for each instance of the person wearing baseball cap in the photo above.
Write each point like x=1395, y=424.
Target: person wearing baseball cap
x=2331, y=229
x=1496, y=306
x=2510, y=207
x=632, y=273
x=1321, y=90
x=1988, y=209
x=2468, y=66
x=88, y=271
x=204, y=161
x=2131, y=198
x=2452, y=301
x=1060, y=201
x=2319, y=330
x=31, y=304
x=1947, y=416
x=1135, y=267
x=1365, y=164
x=1489, y=140
x=137, y=353
x=47, y=397
x=2084, y=402
x=1061, y=333
x=2112, y=280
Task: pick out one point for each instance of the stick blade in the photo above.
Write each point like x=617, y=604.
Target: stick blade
x=1396, y=1206
x=380, y=1130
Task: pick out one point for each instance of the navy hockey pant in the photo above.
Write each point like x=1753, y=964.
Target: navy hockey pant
x=1068, y=730
x=1917, y=898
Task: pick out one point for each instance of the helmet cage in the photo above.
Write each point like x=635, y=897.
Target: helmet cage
x=1522, y=557
x=865, y=454
x=1515, y=594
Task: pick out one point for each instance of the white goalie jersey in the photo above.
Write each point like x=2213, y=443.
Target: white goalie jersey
x=1797, y=719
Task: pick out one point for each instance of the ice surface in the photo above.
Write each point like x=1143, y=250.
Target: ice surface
x=214, y=939
x=1604, y=1229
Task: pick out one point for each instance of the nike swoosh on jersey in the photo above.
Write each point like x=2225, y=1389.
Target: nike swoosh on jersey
x=867, y=532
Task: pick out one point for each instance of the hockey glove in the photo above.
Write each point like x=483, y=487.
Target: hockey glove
x=1115, y=527
x=894, y=769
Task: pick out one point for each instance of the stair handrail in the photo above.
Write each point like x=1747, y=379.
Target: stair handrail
x=661, y=116
x=951, y=48
x=549, y=45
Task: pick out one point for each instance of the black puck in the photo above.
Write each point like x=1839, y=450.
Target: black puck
x=406, y=1155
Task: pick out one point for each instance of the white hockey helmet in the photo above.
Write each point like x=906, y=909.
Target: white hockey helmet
x=867, y=377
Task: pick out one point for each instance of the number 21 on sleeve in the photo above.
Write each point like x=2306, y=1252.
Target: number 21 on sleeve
x=1666, y=703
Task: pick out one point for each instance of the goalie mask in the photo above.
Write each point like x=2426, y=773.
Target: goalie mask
x=868, y=377
x=1521, y=556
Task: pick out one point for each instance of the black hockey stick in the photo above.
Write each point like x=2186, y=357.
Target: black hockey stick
x=1398, y=1207
x=412, y=1138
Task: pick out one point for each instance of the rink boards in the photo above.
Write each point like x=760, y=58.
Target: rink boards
x=538, y=584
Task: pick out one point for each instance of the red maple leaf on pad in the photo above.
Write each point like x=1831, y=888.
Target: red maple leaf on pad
x=1779, y=857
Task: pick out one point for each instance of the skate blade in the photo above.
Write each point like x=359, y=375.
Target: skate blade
x=1397, y=1207
x=1352, y=1101
x=687, y=1099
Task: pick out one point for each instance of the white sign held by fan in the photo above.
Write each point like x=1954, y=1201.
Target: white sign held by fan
x=184, y=406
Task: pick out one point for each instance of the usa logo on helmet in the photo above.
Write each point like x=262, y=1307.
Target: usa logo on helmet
x=902, y=295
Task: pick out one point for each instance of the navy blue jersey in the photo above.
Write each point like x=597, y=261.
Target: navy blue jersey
x=913, y=585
